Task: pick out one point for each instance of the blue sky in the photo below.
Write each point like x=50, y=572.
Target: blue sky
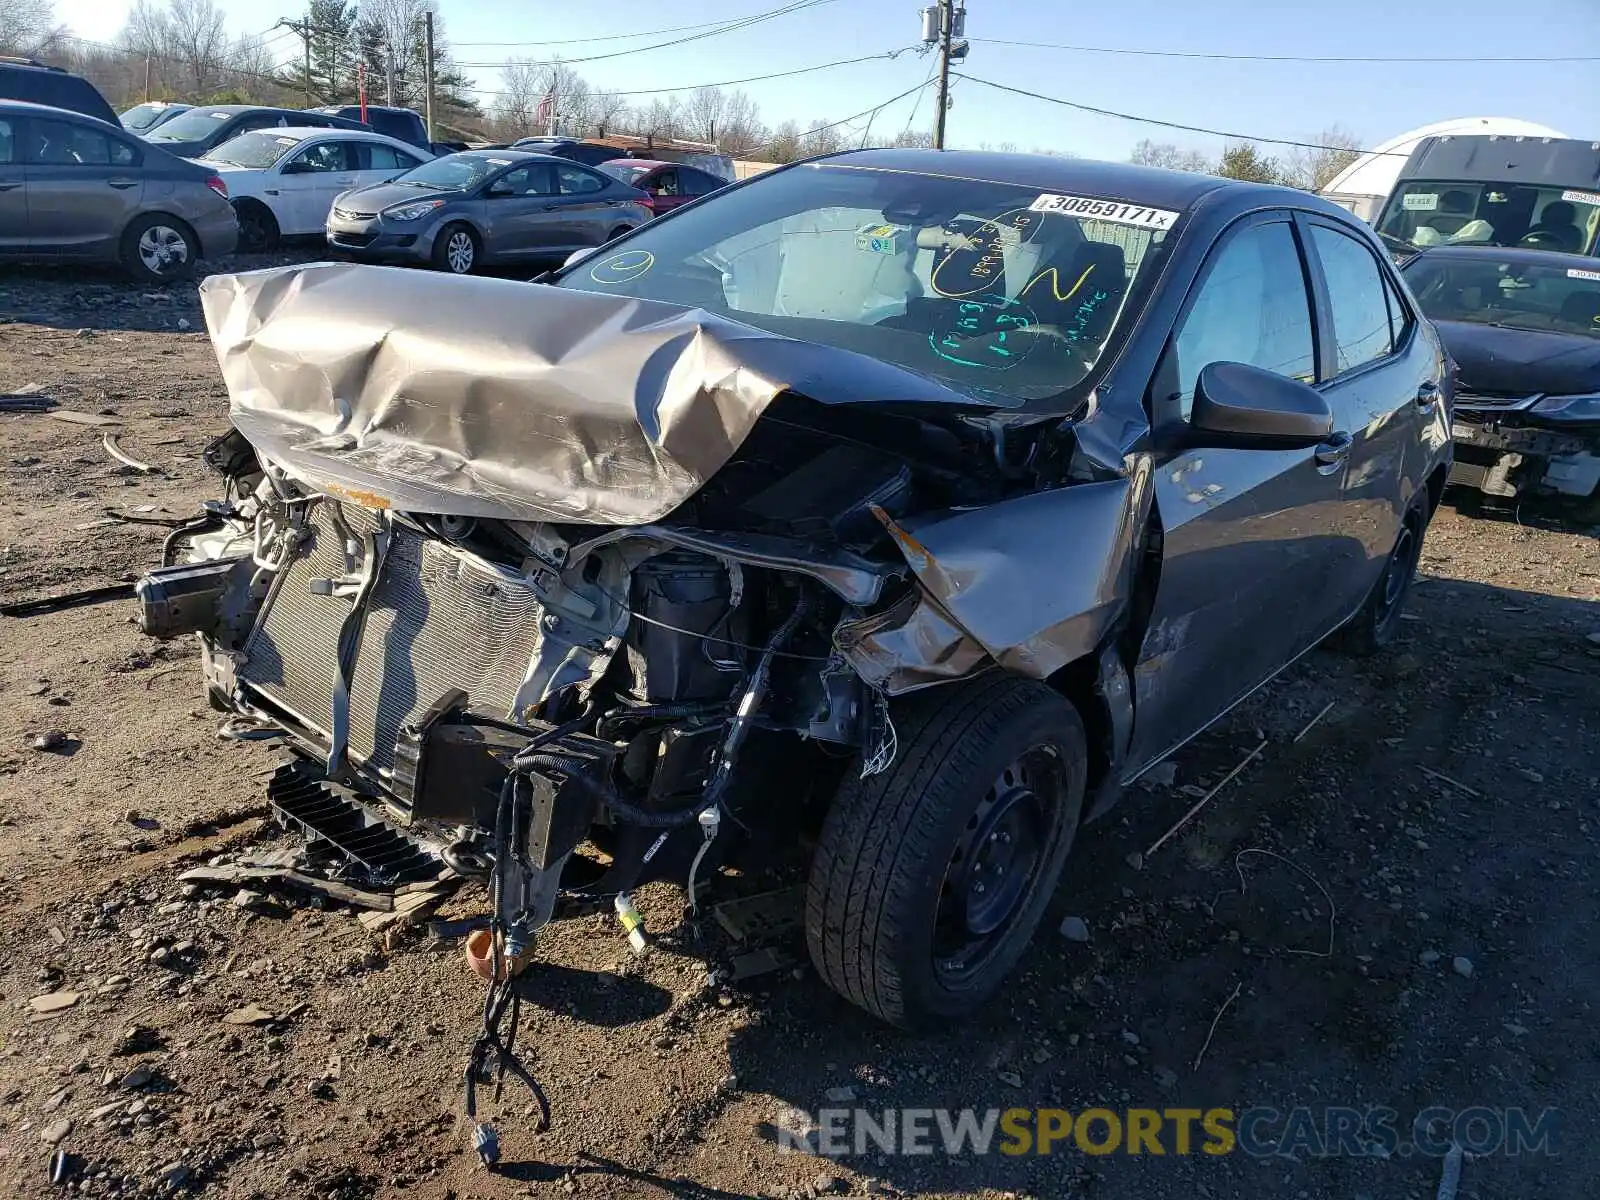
x=1290, y=100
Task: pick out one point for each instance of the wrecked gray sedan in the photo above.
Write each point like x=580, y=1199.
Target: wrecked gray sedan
x=897, y=507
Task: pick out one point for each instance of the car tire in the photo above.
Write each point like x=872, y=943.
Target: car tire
x=457, y=249
x=1375, y=626
x=898, y=917
x=258, y=228
x=157, y=248
x=618, y=232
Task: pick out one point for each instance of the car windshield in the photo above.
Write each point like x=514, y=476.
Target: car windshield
x=454, y=172
x=260, y=148
x=1488, y=289
x=625, y=171
x=193, y=126
x=142, y=116
x=1427, y=213
x=1003, y=289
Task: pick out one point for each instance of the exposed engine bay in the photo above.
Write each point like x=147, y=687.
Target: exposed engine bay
x=576, y=706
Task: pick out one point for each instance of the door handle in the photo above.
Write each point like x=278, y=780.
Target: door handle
x=1427, y=395
x=1335, y=451
x=269, y=191
x=551, y=208
x=6, y=187
x=123, y=184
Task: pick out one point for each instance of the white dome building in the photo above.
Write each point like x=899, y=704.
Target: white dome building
x=1363, y=186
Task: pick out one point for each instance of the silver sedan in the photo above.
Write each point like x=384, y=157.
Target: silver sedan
x=485, y=207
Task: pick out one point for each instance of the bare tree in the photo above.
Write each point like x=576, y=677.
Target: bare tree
x=609, y=112
x=913, y=139
x=521, y=88
x=1168, y=156
x=663, y=119
x=28, y=28
x=198, y=38
x=731, y=120
x=1335, y=150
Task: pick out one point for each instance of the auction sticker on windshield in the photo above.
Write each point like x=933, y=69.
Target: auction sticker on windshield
x=1580, y=273
x=1114, y=211
x=1581, y=197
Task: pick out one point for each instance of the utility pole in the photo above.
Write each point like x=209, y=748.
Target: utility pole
x=147, y=79
x=427, y=70
x=304, y=29
x=944, y=25
x=388, y=74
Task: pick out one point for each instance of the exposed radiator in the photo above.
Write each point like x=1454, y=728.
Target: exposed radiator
x=436, y=621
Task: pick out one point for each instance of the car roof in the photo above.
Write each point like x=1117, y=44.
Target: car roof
x=311, y=131
x=648, y=164
x=1151, y=185
x=23, y=108
x=511, y=156
x=1517, y=254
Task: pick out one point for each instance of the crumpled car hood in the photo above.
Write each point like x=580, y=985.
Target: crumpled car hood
x=492, y=398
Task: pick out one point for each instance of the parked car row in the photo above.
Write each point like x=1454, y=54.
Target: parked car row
x=74, y=187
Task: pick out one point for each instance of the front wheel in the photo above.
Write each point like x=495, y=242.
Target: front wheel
x=258, y=228
x=1375, y=626
x=930, y=878
x=159, y=249
x=456, y=250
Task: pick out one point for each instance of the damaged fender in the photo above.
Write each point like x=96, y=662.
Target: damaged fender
x=1033, y=583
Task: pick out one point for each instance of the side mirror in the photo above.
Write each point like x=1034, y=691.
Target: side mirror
x=498, y=191
x=577, y=256
x=296, y=168
x=1237, y=405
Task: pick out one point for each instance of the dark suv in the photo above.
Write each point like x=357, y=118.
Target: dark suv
x=404, y=124
x=30, y=80
x=201, y=130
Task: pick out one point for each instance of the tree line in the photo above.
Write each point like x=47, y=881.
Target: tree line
x=1309, y=167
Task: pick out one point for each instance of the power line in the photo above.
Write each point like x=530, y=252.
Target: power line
x=608, y=37
x=728, y=27
x=1222, y=133
x=843, y=62
x=870, y=112
x=1287, y=58
x=933, y=65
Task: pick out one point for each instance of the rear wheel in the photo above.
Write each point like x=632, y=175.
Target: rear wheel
x=456, y=249
x=159, y=249
x=930, y=878
x=258, y=228
x=1375, y=626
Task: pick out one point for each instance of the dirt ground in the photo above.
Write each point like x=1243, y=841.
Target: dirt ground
x=1443, y=811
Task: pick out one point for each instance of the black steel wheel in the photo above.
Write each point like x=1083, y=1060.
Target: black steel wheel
x=1375, y=626
x=930, y=878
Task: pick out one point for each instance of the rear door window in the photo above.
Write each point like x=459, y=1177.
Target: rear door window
x=575, y=181
x=8, y=142
x=386, y=158
x=62, y=144
x=1252, y=307
x=697, y=183
x=533, y=180
x=1362, y=332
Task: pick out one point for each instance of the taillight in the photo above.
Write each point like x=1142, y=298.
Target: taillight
x=216, y=185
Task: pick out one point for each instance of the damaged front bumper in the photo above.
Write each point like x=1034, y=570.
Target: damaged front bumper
x=1505, y=448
